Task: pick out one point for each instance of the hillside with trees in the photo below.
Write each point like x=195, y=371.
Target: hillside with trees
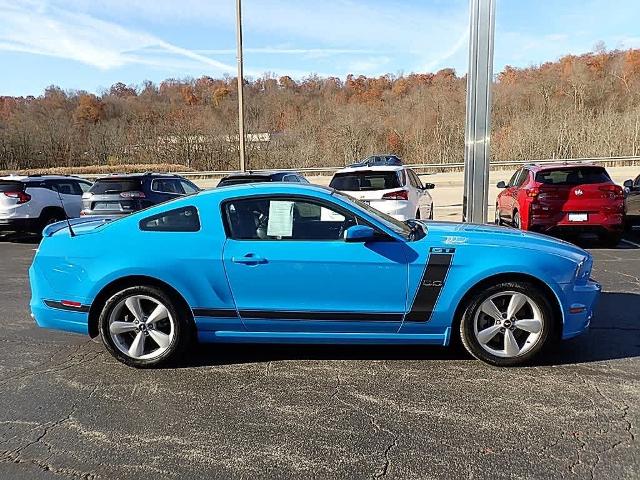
x=578, y=106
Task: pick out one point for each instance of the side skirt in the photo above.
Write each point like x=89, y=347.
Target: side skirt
x=222, y=336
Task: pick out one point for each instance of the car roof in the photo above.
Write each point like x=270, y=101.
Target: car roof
x=124, y=176
x=261, y=173
x=538, y=167
x=23, y=178
x=378, y=168
x=268, y=188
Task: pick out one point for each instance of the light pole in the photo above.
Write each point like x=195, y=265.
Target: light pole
x=478, y=121
x=243, y=165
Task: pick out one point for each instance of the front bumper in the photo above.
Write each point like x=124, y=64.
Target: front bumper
x=579, y=305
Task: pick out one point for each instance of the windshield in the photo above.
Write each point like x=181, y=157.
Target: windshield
x=365, y=180
x=225, y=182
x=119, y=185
x=573, y=176
x=388, y=221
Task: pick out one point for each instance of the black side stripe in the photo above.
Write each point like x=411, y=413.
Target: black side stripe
x=315, y=315
x=299, y=315
x=214, y=312
x=433, y=279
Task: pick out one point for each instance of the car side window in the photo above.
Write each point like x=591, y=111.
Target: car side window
x=637, y=182
x=524, y=174
x=166, y=185
x=65, y=187
x=514, y=178
x=188, y=187
x=282, y=219
x=416, y=179
x=183, y=219
x=84, y=186
x=290, y=178
x=412, y=180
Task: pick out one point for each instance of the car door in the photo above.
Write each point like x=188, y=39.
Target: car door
x=424, y=198
x=290, y=270
x=510, y=196
x=633, y=200
x=70, y=194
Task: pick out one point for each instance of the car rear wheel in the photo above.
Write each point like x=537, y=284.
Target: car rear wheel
x=50, y=218
x=507, y=324
x=517, y=221
x=431, y=212
x=143, y=327
x=497, y=220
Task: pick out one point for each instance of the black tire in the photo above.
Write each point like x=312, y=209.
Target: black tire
x=418, y=214
x=183, y=329
x=517, y=221
x=497, y=220
x=610, y=240
x=431, y=213
x=49, y=217
x=545, y=336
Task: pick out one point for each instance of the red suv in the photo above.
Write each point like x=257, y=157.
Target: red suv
x=563, y=198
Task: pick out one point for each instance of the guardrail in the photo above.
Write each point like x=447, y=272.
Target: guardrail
x=425, y=166
x=421, y=167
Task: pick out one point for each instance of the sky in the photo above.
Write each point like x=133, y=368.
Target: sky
x=92, y=44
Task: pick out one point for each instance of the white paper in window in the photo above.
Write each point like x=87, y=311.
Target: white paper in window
x=327, y=215
x=280, y=222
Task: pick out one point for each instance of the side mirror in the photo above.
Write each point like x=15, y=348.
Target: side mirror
x=359, y=233
x=501, y=184
x=628, y=184
x=429, y=186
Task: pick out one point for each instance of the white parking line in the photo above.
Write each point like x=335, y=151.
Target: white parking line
x=624, y=240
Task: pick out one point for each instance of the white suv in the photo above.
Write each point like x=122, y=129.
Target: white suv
x=28, y=204
x=394, y=190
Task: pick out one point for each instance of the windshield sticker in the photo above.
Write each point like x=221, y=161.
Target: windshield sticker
x=280, y=222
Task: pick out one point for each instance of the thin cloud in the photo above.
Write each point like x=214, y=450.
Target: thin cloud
x=83, y=38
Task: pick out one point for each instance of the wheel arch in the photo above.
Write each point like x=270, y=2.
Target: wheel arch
x=50, y=210
x=132, y=281
x=556, y=305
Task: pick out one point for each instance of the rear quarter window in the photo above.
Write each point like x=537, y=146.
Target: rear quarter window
x=185, y=219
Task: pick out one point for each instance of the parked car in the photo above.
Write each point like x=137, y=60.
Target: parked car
x=117, y=195
x=257, y=177
x=293, y=263
x=394, y=190
x=632, y=201
x=563, y=198
x=28, y=204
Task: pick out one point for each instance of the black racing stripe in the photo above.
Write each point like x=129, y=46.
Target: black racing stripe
x=325, y=316
x=214, y=312
x=433, y=279
x=61, y=306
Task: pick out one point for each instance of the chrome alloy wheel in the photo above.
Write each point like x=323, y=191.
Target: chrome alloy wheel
x=141, y=327
x=508, y=324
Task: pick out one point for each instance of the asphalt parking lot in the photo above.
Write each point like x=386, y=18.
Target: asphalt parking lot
x=68, y=410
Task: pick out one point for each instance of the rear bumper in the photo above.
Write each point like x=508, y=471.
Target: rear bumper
x=59, y=318
x=399, y=209
x=20, y=225
x=597, y=222
x=580, y=302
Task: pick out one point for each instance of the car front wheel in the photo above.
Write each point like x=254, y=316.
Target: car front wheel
x=507, y=324
x=142, y=327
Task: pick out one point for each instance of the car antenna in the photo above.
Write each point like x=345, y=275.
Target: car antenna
x=66, y=217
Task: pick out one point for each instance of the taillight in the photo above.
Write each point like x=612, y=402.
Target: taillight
x=533, y=192
x=132, y=195
x=396, y=195
x=21, y=196
x=614, y=192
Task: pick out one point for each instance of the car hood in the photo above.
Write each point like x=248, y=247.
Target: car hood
x=452, y=234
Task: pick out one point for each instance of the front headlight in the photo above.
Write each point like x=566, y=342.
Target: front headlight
x=583, y=270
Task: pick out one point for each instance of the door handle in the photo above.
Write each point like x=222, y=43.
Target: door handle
x=249, y=259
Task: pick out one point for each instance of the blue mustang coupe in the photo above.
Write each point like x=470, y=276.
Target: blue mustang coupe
x=296, y=263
